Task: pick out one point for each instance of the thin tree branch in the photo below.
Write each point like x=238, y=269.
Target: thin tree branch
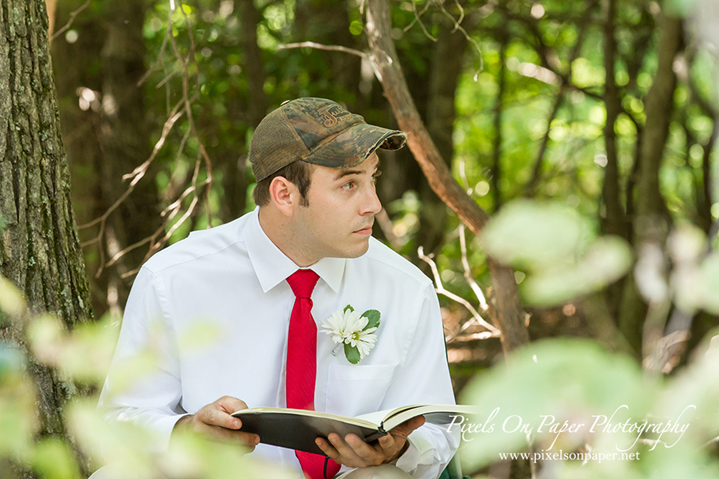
x=417, y=19
x=199, y=189
x=69, y=23
x=319, y=46
x=491, y=332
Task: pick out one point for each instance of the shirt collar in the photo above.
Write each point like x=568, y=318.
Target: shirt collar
x=272, y=266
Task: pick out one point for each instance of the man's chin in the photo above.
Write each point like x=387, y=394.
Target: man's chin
x=355, y=252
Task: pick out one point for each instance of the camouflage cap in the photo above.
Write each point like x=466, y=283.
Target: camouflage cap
x=317, y=131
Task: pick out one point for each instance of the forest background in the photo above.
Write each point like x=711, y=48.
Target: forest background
x=565, y=186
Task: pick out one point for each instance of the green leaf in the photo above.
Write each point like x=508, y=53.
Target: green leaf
x=352, y=353
x=12, y=301
x=534, y=235
x=562, y=380
x=608, y=259
x=710, y=277
x=55, y=460
x=373, y=318
x=348, y=307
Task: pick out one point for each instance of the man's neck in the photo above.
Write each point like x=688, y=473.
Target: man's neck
x=279, y=230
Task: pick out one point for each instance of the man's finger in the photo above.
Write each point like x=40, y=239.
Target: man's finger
x=231, y=404
x=364, y=451
x=214, y=415
x=406, y=428
x=239, y=437
x=347, y=454
x=389, y=445
x=327, y=448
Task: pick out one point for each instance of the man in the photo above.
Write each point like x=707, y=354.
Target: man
x=267, y=280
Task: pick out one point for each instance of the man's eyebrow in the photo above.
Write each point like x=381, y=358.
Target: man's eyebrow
x=347, y=172
x=344, y=173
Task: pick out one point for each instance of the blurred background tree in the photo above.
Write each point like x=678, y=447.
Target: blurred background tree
x=602, y=112
x=605, y=106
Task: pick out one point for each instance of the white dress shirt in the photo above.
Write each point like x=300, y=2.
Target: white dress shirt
x=232, y=279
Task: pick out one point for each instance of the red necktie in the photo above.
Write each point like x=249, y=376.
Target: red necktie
x=302, y=364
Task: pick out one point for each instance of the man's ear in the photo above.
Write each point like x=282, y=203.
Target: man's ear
x=284, y=194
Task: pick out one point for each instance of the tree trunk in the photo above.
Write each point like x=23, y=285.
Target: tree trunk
x=509, y=312
x=107, y=137
x=124, y=140
x=444, y=74
x=76, y=65
x=614, y=220
x=651, y=222
x=39, y=248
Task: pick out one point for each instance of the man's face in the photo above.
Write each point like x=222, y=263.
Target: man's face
x=342, y=204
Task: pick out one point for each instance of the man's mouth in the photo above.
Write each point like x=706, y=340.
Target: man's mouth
x=367, y=230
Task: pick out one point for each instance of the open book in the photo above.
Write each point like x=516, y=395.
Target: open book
x=298, y=428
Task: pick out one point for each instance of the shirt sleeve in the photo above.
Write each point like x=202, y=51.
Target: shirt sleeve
x=143, y=385
x=423, y=378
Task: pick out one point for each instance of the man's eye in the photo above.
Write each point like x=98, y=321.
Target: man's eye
x=349, y=185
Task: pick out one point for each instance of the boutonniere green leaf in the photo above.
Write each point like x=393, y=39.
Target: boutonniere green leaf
x=353, y=330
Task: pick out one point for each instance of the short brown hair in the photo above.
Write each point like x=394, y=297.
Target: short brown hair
x=297, y=173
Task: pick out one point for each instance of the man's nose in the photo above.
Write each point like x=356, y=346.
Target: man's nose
x=371, y=204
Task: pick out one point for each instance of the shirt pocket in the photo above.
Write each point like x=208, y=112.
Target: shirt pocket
x=353, y=389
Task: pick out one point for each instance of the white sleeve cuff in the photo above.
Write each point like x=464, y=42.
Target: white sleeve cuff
x=418, y=449
x=162, y=430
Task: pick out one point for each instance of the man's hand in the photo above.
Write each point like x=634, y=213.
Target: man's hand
x=354, y=452
x=215, y=421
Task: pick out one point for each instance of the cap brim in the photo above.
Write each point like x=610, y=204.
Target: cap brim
x=355, y=144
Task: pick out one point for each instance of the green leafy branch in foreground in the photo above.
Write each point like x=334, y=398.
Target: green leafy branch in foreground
x=84, y=355
x=574, y=395
x=555, y=384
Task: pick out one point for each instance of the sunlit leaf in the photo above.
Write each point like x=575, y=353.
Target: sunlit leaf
x=683, y=459
x=193, y=455
x=85, y=354
x=18, y=418
x=710, y=275
x=692, y=395
x=12, y=301
x=55, y=459
x=124, y=445
x=608, y=259
x=554, y=381
x=202, y=335
x=533, y=235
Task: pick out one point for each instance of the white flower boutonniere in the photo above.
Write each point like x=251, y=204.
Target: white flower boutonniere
x=356, y=331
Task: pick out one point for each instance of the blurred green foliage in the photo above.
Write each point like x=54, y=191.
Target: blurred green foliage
x=555, y=241
x=83, y=356
x=585, y=399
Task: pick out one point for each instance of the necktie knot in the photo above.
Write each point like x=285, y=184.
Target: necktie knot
x=302, y=282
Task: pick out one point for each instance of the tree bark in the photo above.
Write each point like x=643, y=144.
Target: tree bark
x=498, y=113
x=108, y=137
x=659, y=103
x=39, y=248
x=258, y=103
x=651, y=222
x=614, y=220
x=235, y=174
x=124, y=141
x=77, y=65
x=444, y=74
x=510, y=315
